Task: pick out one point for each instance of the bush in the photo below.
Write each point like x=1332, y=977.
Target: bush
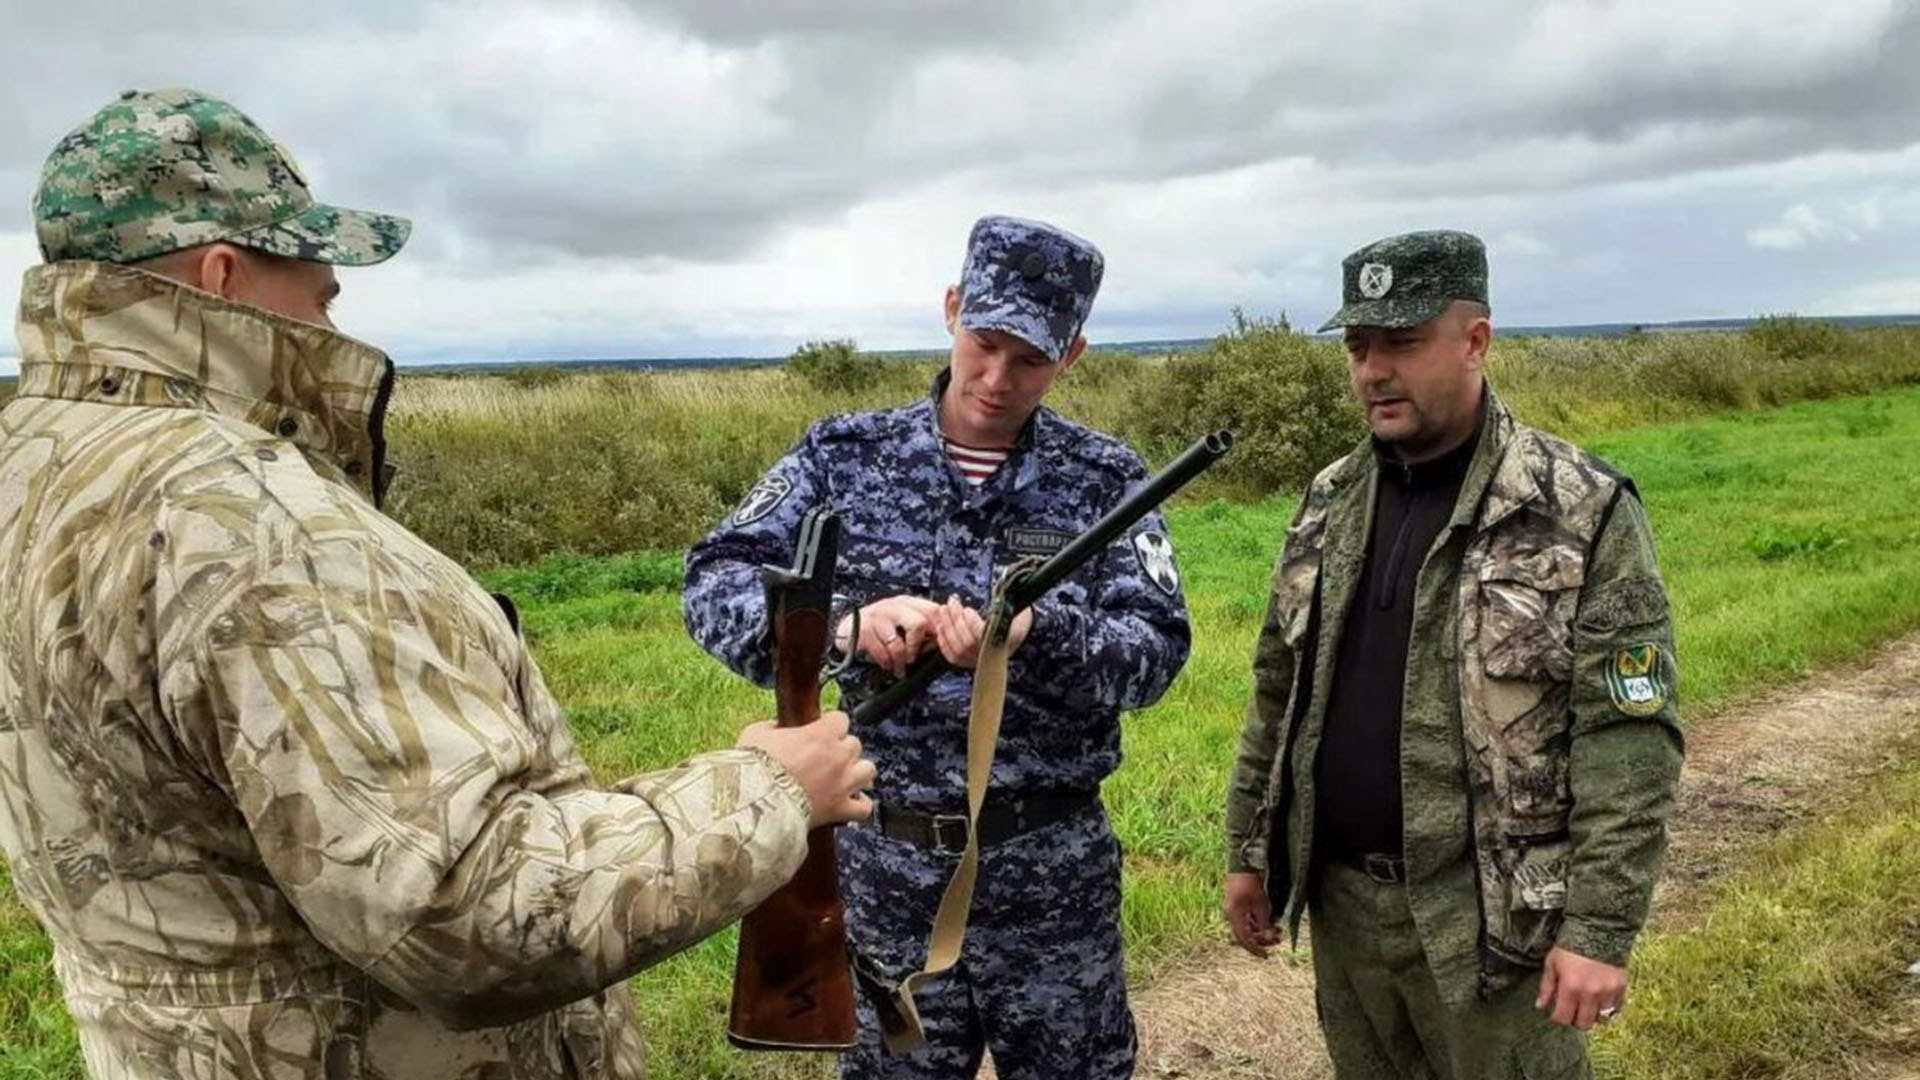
x=1283, y=395
x=1102, y=372
x=534, y=376
x=568, y=468
x=835, y=366
x=1795, y=338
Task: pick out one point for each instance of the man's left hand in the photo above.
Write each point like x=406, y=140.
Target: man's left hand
x=958, y=629
x=1580, y=992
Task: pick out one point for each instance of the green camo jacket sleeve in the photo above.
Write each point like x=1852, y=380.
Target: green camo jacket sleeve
x=412, y=789
x=1624, y=759
x=1260, y=737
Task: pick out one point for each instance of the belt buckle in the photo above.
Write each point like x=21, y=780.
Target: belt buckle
x=940, y=824
x=1384, y=869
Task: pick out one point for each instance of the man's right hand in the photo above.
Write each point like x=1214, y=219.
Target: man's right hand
x=893, y=632
x=825, y=757
x=1249, y=914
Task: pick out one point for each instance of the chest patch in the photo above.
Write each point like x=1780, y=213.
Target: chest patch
x=770, y=492
x=1634, y=680
x=1025, y=541
x=1155, y=553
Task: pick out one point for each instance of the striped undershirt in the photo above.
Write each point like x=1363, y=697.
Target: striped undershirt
x=977, y=463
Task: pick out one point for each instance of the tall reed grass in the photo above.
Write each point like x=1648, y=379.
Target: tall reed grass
x=504, y=470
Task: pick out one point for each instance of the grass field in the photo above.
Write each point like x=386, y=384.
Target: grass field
x=1791, y=971
x=1788, y=538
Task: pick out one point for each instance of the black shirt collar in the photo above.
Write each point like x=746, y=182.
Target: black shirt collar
x=1449, y=469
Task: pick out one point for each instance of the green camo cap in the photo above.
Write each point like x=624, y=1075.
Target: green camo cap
x=158, y=171
x=1407, y=279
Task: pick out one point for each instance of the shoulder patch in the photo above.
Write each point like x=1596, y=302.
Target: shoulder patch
x=761, y=499
x=1156, y=560
x=1634, y=679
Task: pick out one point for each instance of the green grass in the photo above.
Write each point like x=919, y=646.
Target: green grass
x=1788, y=539
x=36, y=1036
x=1796, y=961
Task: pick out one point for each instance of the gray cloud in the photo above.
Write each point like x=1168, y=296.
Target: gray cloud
x=916, y=27
x=638, y=136
x=543, y=144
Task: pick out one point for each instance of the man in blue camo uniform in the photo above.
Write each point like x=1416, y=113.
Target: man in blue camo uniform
x=1040, y=981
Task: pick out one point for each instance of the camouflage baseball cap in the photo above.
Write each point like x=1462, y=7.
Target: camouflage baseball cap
x=1407, y=279
x=1031, y=280
x=158, y=171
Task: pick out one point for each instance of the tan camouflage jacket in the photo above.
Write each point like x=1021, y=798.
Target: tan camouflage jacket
x=281, y=782
x=1539, y=746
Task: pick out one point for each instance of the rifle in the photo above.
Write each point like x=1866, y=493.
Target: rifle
x=1032, y=585
x=792, y=985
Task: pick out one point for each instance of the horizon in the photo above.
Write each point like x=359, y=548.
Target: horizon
x=1583, y=329
x=9, y=363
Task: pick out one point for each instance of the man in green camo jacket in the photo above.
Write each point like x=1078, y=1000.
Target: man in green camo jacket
x=1461, y=748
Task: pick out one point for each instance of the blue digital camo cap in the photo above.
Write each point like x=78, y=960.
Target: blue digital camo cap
x=1031, y=280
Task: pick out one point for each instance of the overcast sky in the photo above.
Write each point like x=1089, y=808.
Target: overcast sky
x=723, y=177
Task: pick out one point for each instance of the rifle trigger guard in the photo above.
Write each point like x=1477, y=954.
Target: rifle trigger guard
x=832, y=668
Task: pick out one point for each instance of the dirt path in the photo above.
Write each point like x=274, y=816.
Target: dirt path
x=1894, y=1053
x=1750, y=772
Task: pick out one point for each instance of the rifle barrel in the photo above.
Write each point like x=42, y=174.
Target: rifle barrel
x=1153, y=491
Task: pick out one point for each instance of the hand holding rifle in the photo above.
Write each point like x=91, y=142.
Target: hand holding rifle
x=825, y=758
x=895, y=631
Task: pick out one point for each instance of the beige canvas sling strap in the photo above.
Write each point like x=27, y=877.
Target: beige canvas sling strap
x=983, y=736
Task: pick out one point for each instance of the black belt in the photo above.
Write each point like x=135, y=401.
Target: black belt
x=999, y=821
x=1384, y=869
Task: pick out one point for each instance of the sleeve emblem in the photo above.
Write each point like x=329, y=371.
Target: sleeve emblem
x=1156, y=561
x=1634, y=681
x=770, y=492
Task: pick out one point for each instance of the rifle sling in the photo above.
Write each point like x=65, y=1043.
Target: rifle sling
x=900, y=1023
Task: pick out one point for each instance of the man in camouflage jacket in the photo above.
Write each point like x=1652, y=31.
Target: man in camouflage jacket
x=281, y=782
x=1460, y=753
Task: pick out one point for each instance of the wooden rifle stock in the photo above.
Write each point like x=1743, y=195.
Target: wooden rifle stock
x=792, y=984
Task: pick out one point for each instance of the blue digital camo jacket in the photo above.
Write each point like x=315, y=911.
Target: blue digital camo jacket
x=1111, y=636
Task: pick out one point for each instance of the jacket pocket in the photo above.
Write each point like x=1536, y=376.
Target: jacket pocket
x=1535, y=858
x=1526, y=626
x=874, y=567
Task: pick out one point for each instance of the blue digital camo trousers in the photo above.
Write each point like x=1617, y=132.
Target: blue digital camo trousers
x=1040, y=981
